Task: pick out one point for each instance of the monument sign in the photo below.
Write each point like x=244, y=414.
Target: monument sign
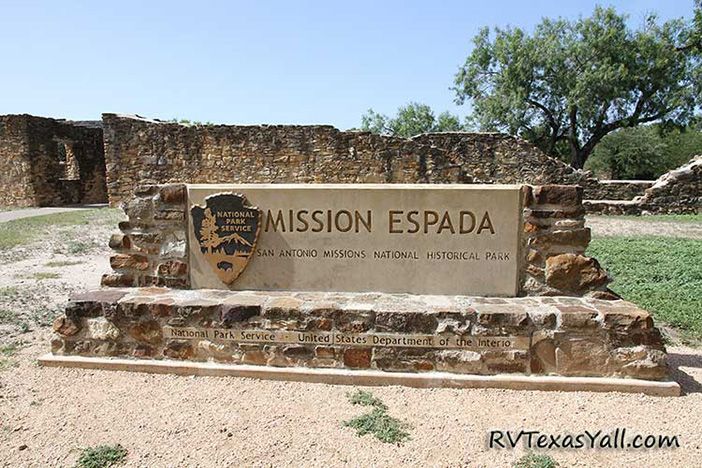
x=422, y=239
x=458, y=285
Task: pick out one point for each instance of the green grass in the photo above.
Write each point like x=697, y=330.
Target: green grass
x=662, y=275
x=27, y=230
x=6, y=352
x=42, y=275
x=44, y=317
x=62, y=263
x=7, y=317
x=378, y=422
x=671, y=218
x=75, y=247
x=533, y=460
x=8, y=292
x=102, y=456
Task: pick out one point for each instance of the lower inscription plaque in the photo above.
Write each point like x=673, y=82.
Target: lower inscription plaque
x=348, y=339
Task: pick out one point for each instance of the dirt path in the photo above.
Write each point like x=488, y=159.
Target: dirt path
x=210, y=421
x=640, y=226
x=31, y=212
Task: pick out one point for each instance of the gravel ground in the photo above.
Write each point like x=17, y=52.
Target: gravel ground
x=640, y=226
x=209, y=421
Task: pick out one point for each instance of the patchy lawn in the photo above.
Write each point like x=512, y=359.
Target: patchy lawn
x=660, y=274
x=27, y=230
x=669, y=218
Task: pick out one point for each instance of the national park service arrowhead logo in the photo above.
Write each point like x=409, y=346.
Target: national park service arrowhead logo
x=227, y=229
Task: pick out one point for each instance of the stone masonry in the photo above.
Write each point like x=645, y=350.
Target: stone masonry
x=151, y=248
x=48, y=162
x=140, y=151
x=678, y=191
x=565, y=336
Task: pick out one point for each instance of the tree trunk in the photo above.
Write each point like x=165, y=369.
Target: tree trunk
x=578, y=158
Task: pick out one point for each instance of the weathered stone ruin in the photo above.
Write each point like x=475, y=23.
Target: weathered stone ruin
x=678, y=191
x=140, y=151
x=48, y=162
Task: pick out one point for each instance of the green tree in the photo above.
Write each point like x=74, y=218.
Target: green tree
x=411, y=119
x=630, y=153
x=644, y=152
x=570, y=83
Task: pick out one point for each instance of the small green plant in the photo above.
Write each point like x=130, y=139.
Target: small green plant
x=9, y=292
x=534, y=460
x=45, y=316
x=62, y=263
x=364, y=398
x=102, y=456
x=42, y=275
x=6, y=352
x=7, y=316
x=76, y=247
x=378, y=422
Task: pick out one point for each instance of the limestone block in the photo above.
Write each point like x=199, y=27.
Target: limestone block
x=100, y=329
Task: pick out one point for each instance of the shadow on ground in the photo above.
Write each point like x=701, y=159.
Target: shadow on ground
x=686, y=381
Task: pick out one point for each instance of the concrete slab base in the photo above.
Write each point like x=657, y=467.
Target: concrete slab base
x=370, y=377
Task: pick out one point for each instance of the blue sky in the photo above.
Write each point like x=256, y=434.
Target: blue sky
x=253, y=62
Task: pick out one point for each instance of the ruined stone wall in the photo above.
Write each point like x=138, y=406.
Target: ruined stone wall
x=617, y=189
x=15, y=167
x=676, y=192
x=140, y=151
x=496, y=158
x=49, y=162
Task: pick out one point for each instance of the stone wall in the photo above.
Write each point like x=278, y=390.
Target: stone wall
x=560, y=336
x=616, y=189
x=554, y=241
x=496, y=158
x=676, y=192
x=151, y=248
x=15, y=165
x=47, y=162
x=140, y=151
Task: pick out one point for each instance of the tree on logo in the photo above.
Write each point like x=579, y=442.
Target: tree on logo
x=209, y=238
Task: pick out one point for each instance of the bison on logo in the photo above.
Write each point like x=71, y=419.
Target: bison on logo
x=227, y=229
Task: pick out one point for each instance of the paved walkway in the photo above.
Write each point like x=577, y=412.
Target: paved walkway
x=30, y=212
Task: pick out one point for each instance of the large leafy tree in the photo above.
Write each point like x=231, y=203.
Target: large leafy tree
x=644, y=152
x=411, y=119
x=570, y=83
